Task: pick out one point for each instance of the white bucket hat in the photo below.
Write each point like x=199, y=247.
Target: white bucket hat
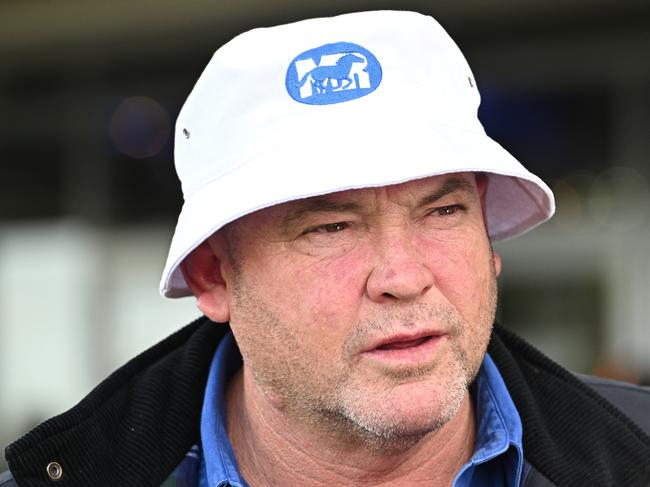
x=324, y=105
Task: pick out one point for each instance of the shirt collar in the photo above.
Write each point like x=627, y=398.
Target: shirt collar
x=218, y=465
x=499, y=429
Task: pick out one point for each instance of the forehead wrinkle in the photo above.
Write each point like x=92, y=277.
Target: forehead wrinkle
x=326, y=204
x=451, y=185
x=318, y=204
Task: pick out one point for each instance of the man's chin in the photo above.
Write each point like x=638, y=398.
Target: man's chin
x=396, y=436
x=399, y=422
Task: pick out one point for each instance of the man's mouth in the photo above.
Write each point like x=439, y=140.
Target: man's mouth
x=398, y=345
x=410, y=350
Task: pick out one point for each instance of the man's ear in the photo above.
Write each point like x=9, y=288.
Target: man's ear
x=203, y=273
x=497, y=262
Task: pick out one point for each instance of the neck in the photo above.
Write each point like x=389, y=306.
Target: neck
x=276, y=449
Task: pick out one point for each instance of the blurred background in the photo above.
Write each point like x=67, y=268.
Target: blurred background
x=89, y=92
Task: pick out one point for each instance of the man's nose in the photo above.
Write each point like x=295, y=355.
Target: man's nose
x=400, y=271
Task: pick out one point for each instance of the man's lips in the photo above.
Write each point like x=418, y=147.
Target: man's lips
x=404, y=340
x=396, y=345
x=413, y=349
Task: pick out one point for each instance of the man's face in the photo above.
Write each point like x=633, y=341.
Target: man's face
x=366, y=311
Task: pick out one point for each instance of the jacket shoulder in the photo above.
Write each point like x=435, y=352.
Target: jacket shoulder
x=135, y=427
x=7, y=480
x=630, y=399
x=561, y=413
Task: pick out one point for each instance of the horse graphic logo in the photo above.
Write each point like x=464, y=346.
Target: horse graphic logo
x=330, y=78
x=333, y=73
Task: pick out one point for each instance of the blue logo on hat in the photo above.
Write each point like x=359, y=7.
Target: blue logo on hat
x=333, y=73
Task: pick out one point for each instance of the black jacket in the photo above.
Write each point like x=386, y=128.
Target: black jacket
x=136, y=426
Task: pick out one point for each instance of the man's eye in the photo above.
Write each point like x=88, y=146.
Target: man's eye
x=446, y=210
x=329, y=228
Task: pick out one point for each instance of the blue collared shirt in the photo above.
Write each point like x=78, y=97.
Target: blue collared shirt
x=498, y=456
x=218, y=464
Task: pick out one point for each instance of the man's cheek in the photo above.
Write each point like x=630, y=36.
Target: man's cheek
x=463, y=278
x=337, y=274
x=332, y=296
x=320, y=307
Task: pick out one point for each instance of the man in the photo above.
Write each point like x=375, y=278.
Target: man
x=340, y=202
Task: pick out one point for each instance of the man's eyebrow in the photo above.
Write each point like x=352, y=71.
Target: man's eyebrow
x=318, y=205
x=450, y=186
x=325, y=205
